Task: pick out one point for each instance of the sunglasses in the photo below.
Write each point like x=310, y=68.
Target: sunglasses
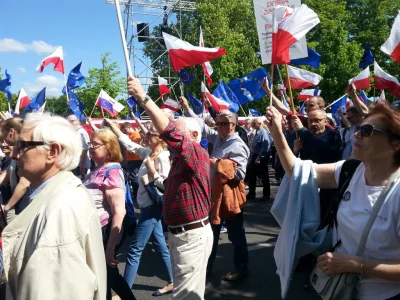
x=21, y=145
x=368, y=130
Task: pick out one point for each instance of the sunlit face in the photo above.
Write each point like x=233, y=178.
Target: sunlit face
x=127, y=130
x=10, y=136
x=5, y=148
x=354, y=119
x=224, y=126
x=98, y=151
x=152, y=140
x=316, y=122
x=311, y=104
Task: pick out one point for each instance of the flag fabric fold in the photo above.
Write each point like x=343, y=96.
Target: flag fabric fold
x=75, y=78
x=185, y=77
x=5, y=85
x=224, y=92
x=217, y=104
x=56, y=58
x=207, y=68
x=363, y=97
x=171, y=104
x=392, y=46
x=362, y=80
x=37, y=103
x=182, y=54
x=383, y=80
x=289, y=25
x=253, y=112
x=249, y=87
x=131, y=101
x=196, y=104
x=163, y=86
x=300, y=79
x=304, y=95
x=110, y=105
x=313, y=59
x=23, y=101
x=367, y=58
x=341, y=103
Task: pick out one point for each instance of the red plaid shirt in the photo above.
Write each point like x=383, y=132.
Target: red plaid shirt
x=187, y=188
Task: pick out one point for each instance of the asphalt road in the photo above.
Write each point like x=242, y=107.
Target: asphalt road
x=262, y=282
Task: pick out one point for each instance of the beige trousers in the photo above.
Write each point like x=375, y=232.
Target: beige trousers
x=189, y=256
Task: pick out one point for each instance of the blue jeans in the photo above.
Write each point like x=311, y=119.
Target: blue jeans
x=237, y=236
x=149, y=223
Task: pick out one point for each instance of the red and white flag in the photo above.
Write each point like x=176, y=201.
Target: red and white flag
x=183, y=54
x=304, y=95
x=383, y=80
x=56, y=58
x=217, y=103
x=163, y=86
x=171, y=104
x=288, y=26
x=300, y=79
x=208, y=70
x=362, y=80
x=392, y=45
x=23, y=101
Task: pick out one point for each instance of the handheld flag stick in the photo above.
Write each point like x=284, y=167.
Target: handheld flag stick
x=66, y=88
x=123, y=40
x=272, y=84
x=93, y=109
x=290, y=91
x=9, y=107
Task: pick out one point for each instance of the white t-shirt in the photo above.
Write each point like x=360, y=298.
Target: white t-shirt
x=383, y=242
x=85, y=144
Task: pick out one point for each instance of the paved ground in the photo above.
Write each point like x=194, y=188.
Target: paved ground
x=262, y=283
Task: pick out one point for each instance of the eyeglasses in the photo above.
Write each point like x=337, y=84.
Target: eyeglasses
x=220, y=124
x=368, y=130
x=94, y=146
x=72, y=121
x=316, y=120
x=21, y=145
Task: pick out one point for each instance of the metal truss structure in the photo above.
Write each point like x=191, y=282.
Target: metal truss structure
x=154, y=12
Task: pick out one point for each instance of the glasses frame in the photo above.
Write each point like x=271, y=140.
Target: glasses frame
x=21, y=144
x=374, y=130
x=93, y=146
x=221, y=124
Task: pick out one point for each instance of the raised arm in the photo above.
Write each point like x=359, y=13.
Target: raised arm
x=94, y=128
x=139, y=124
x=159, y=119
x=275, y=101
x=361, y=107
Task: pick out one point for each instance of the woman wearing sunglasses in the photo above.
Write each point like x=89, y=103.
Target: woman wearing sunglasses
x=156, y=164
x=377, y=146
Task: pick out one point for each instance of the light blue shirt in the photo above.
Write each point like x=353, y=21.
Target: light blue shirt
x=262, y=142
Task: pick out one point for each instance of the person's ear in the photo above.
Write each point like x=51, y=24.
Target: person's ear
x=54, y=152
x=195, y=134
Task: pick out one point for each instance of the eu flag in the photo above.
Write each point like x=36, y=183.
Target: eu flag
x=248, y=88
x=137, y=113
x=36, y=102
x=335, y=108
x=196, y=104
x=186, y=77
x=75, y=78
x=224, y=92
x=132, y=102
x=76, y=106
x=363, y=97
x=5, y=85
x=367, y=58
x=254, y=112
x=106, y=104
x=313, y=59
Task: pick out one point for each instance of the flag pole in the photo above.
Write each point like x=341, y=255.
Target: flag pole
x=272, y=85
x=290, y=90
x=123, y=40
x=66, y=88
x=9, y=107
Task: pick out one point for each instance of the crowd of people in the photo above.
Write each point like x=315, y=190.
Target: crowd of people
x=66, y=195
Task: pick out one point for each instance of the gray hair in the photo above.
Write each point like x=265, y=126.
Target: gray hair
x=50, y=129
x=321, y=111
x=192, y=125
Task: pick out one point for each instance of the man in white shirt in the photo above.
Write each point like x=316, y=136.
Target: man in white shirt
x=84, y=162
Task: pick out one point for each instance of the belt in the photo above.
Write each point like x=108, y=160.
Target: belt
x=180, y=229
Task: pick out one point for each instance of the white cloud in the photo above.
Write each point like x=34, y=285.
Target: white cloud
x=21, y=70
x=11, y=45
x=53, y=86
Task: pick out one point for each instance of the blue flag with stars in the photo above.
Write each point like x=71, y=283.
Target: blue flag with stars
x=367, y=58
x=36, y=102
x=5, y=85
x=225, y=93
x=186, y=77
x=196, y=104
x=75, y=78
x=335, y=108
x=132, y=102
x=313, y=59
x=76, y=106
x=106, y=104
x=254, y=112
x=137, y=113
x=248, y=88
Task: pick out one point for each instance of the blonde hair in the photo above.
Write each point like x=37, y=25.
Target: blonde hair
x=111, y=142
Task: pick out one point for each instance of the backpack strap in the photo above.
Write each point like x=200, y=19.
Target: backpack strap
x=107, y=173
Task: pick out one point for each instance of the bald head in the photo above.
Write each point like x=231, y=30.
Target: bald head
x=317, y=121
x=315, y=102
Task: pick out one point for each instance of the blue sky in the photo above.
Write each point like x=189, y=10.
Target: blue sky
x=31, y=30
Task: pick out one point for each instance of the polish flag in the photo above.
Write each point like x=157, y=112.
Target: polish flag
x=289, y=25
x=300, y=79
x=183, y=54
x=383, y=80
x=163, y=86
x=349, y=104
x=362, y=80
x=304, y=95
x=56, y=58
x=23, y=101
x=392, y=45
x=208, y=70
x=116, y=106
x=171, y=104
x=217, y=103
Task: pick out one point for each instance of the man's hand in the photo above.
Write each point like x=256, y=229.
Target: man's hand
x=184, y=103
x=352, y=90
x=296, y=123
x=135, y=89
x=265, y=85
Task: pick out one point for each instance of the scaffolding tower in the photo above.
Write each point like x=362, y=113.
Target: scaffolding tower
x=153, y=13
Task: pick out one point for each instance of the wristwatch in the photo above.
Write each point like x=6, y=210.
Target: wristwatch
x=145, y=100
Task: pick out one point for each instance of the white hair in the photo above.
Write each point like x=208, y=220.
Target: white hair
x=192, y=125
x=50, y=129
